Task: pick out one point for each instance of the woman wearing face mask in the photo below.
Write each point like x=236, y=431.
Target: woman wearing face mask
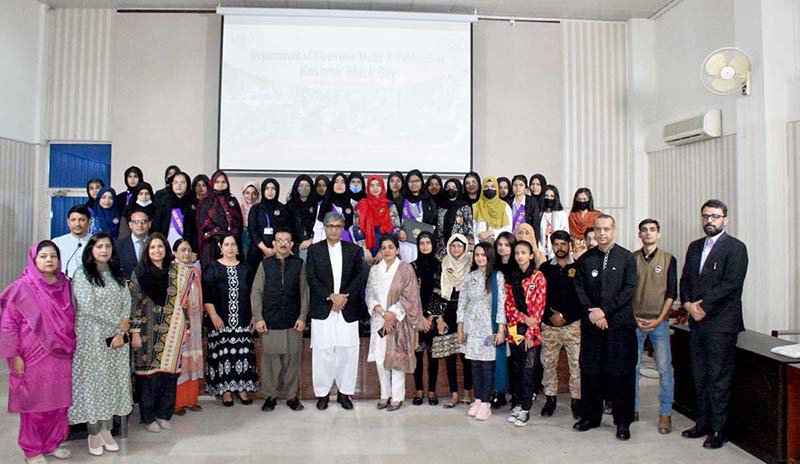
x=472, y=187
x=375, y=217
x=355, y=184
x=526, y=291
x=435, y=189
x=174, y=216
x=417, y=206
x=524, y=208
x=455, y=218
x=141, y=200
x=133, y=177
x=302, y=211
x=481, y=326
x=583, y=214
x=321, y=185
x=188, y=271
x=105, y=217
x=455, y=267
x=396, y=184
x=219, y=213
x=491, y=215
x=536, y=186
x=337, y=199
x=265, y=218
x=429, y=274
x=553, y=218
x=504, y=189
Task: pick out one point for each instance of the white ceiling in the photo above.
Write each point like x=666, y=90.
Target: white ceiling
x=619, y=10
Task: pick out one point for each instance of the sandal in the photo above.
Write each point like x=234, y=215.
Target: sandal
x=452, y=402
x=61, y=453
x=383, y=404
x=196, y=407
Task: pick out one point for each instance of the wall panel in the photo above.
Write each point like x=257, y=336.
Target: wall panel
x=18, y=160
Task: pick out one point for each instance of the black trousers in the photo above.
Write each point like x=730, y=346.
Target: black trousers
x=608, y=371
x=452, y=374
x=483, y=376
x=712, y=370
x=523, y=368
x=425, y=342
x=157, y=398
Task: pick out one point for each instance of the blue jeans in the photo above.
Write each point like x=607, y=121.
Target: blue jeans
x=662, y=352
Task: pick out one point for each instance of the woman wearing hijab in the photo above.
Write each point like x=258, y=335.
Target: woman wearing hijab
x=435, y=188
x=472, y=187
x=302, y=210
x=536, y=185
x=218, y=214
x=481, y=326
x=101, y=374
x=321, y=185
x=582, y=214
x=93, y=187
x=355, y=184
x=417, y=206
x=396, y=186
x=491, y=215
x=265, y=218
x=393, y=302
x=37, y=338
x=337, y=199
x=142, y=200
x=133, y=177
x=375, y=217
x=250, y=198
x=174, y=215
x=168, y=173
x=454, y=218
x=188, y=272
x=526, y=290
x=553, y=218
x=105, y=217
x=504, y=189
x=429, y=275
x=455, y=267
x=159, y=325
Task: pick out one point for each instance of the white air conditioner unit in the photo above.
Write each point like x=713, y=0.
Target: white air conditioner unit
x=703, y=127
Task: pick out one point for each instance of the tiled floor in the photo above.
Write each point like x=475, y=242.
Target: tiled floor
x=414, y=434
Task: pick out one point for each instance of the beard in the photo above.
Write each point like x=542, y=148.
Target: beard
x=561, y=254
x=710, y=230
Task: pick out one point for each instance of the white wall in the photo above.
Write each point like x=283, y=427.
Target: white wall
x=22, y=53
x=684, y=36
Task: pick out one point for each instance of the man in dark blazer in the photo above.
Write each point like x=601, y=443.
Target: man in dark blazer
x=336, y=280
x=130, y=247
x=605, y=283
x=711, y=292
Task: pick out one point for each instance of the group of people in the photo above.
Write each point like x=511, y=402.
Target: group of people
x=491, y=273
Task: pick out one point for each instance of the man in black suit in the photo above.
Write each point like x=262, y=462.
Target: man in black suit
x=711, y=292
x=605, y=283
x=130, y=247
x=335, y=279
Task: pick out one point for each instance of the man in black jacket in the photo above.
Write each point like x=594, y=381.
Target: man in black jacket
x=605, y=283
x=130, y=247
x=711, y=292
x=336, y=279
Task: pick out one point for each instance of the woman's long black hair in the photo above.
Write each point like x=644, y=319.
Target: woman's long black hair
x=90, y=265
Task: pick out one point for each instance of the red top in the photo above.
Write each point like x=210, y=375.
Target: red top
x=535, y=288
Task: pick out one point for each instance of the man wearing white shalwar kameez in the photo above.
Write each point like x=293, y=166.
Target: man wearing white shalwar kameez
x=335, y=279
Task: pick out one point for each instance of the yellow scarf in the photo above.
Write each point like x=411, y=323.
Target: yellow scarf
x=493, y=211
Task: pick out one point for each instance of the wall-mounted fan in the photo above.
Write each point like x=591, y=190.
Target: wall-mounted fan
x=726, y=71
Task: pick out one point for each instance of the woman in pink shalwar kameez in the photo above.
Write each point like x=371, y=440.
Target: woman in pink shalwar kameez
x=37, y=338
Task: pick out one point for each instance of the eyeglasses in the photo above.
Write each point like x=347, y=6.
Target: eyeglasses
x=140, y=222
x=334, y=226
x=283, y=241
x=715, y=217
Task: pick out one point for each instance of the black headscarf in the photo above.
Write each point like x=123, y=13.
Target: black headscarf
x=133, y=205
x=415, y=197
x=542, y=181
x=427, y=267
x=153, y=281
x=397, y=200
x=452, y=207
x=322, y=178
x=303, y=213
x=123, y=196
x=440, y=198
x=363, y=193
x=275, y=203
x=341, y=200
x=465, y=195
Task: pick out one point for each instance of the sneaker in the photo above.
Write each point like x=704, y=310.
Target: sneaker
x=152, y=427
x=164, y=424
x=484, y=412
x=473, y=409
x=522, y=419
x=514, y=413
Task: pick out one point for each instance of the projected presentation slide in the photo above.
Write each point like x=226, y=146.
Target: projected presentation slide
x=341, y=94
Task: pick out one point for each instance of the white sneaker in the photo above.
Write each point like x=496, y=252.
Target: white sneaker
x=473, y=409
x=522, y=419
x=108, y=441
x=514, y=412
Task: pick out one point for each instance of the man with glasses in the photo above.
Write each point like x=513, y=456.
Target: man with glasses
x=336, y=279
x=130, y=247
x=711, y=292
x=279, y=299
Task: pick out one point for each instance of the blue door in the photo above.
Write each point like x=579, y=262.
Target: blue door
x=71, y=166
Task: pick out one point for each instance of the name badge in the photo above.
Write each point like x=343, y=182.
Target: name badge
x=595, y=273
x=268, y=230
